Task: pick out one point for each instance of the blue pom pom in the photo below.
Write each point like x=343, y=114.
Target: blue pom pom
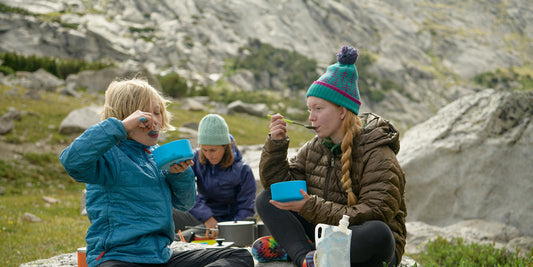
x=348, y=55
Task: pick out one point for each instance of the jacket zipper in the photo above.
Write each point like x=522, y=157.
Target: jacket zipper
x=161, y=188
x=328, y=175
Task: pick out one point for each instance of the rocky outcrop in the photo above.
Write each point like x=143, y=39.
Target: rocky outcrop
x=472, y=160
x=430, y=49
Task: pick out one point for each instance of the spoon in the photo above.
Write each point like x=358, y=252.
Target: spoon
x=297, y=123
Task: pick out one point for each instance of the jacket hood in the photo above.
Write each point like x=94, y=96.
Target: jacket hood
x=378, y=131
x=236, y=152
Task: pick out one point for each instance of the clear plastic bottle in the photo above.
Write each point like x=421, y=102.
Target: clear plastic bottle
x=333, y=244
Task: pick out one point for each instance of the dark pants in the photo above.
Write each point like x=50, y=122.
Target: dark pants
x=197, y=258
x=372, y=242
x=184, y=218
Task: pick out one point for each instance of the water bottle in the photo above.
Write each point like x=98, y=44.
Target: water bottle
x=333, y=244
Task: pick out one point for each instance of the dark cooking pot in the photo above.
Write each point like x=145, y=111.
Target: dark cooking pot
x=240, y=232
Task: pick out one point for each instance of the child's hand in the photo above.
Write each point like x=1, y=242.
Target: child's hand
x=180, y=167
x=139, y=119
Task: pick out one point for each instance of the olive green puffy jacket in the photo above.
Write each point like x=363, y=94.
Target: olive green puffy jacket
x=378, y=180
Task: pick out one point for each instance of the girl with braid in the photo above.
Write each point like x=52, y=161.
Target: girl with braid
x=350, y=168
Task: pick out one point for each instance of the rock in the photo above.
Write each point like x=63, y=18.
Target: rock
x=472, y=160
x=95, y=81
x=425, y=49
x=7, y=123
x=79, y=120
x=28, y=217
x=243, y=79
x=50, y=200
x=12, y=114
x=70, y=90
x=259, y=110
x=63, y=260
x=43, y=80
x=192, y=105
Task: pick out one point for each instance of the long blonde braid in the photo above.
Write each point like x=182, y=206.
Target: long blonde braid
x=351, y=127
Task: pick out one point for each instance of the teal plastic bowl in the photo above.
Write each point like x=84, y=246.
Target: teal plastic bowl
x=288, y=191
x=173, y=152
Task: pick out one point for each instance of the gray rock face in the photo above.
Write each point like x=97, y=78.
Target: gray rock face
x=472, y=160
x=415, y=44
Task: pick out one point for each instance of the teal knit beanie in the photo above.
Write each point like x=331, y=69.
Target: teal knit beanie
x=339, y=84
x=213, y=130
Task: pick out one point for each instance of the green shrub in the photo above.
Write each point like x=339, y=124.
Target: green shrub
x=456, y=252
x=296, y=71
x=6, y=70
x=60, y=67
x=174, y=85
x=8, y=9
x=514, y=78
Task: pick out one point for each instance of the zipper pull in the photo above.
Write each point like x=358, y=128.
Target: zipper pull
x=100, y=256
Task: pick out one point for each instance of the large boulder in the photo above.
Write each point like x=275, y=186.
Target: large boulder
x=79, y=120
x=472, y=160
x=259, y=110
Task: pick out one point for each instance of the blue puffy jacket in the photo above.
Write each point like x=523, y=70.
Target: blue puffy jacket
x=226, y=195
x=129, y=200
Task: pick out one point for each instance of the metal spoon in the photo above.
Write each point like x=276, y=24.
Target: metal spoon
x=297, y=123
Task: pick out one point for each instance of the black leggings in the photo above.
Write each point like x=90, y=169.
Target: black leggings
x=372, y=242
x=215, y=257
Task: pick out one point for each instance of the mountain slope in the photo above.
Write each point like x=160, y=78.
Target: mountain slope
x=430, y=49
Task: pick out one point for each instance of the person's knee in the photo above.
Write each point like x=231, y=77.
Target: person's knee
x=382, y=232
x=244, y=256
x=377, y=233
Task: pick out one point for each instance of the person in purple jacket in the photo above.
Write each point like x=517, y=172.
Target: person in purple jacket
x=225, y=182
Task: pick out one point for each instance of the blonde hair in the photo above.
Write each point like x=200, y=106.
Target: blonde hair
x=351, y=127
x=122, y=98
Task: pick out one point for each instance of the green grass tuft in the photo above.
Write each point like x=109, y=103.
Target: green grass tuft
x=456, y=252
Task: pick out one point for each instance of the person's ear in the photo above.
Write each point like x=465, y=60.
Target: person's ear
x=343, y=111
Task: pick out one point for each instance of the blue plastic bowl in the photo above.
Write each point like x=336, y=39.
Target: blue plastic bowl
x=173, y=152
x=288, y=191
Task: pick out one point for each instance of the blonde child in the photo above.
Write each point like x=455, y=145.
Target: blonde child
x=129, y=200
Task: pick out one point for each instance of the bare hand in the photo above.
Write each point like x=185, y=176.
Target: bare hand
x=278, y=127
x=180, y=167
x=140, y=120
x=211, y=223
x=292, y=205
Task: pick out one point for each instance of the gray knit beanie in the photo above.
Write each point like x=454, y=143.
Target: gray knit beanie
x=213, y=130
